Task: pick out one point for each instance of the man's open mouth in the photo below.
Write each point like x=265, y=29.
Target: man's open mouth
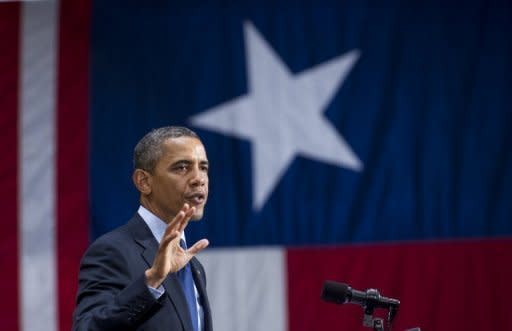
x=195, y=199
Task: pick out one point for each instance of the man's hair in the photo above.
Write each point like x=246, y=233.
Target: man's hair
x=148, y=150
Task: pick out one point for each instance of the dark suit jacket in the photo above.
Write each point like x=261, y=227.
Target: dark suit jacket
x=113, y=295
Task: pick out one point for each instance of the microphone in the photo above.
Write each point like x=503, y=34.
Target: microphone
x=341, y=293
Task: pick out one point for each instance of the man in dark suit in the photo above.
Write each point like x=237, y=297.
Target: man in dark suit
x=141, y=276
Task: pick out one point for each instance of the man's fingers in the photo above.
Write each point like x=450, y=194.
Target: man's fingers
x=175, y=224
x=178, y=224
x=198, y=246
x=186, y=218
x=169, y=236
x=178, y=218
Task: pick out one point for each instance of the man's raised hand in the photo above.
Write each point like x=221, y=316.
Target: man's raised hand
x=170, y=257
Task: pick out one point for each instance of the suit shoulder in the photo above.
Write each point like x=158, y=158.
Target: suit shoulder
x=113, y=236
x=116, y=239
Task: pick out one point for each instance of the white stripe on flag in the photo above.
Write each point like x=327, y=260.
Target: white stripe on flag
x=247, y=288
x=37, y=161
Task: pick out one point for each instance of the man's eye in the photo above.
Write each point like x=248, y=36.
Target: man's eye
x=181, y=168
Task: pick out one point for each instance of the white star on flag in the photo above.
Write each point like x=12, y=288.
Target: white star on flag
x=282, y=115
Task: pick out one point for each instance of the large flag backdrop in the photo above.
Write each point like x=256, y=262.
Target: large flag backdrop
x=366, y=143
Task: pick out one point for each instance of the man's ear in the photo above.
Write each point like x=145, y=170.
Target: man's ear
x=142, y=181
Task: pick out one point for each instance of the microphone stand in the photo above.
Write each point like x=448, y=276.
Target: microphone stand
x=374, y=322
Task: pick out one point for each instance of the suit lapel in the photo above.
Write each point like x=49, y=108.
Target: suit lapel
x=143, y=236
x=199, y=280
x=175, y=292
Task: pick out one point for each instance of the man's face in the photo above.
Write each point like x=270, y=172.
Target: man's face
x=180, y=176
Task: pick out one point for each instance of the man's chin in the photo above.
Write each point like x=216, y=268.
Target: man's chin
x=197, y=216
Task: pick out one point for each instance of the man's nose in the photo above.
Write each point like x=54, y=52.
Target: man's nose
x=199, y=178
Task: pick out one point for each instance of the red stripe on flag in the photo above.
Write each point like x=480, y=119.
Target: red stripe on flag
x=72, y=150
x=9, y=82
x=441, y=286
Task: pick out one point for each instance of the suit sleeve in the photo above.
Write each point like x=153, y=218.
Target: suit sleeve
x=108, y=298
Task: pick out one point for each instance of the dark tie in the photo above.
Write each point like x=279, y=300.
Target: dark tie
x=187, y=283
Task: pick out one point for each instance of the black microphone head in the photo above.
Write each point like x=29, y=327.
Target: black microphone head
x=335, y=292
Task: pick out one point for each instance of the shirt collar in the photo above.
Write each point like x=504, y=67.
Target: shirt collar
x=155, y=224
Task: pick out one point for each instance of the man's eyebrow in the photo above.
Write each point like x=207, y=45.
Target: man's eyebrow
x=188, y=162
x=184, y=161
